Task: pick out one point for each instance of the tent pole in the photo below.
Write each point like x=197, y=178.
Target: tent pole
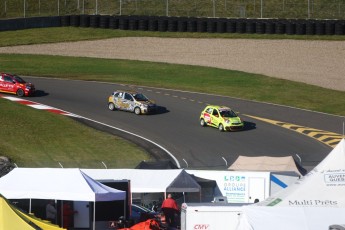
x=30, y=205
x=94, y=215
x=124, y=208
x=61, y=203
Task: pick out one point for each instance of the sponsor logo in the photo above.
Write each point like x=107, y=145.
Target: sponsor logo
x=201, y=226
x=313, y=202
x=335, y=178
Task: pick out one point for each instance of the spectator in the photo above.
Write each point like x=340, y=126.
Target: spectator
x=51, y=212
x=169, y=208
x=68, y=214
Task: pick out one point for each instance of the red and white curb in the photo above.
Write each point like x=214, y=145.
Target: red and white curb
x=39, y=106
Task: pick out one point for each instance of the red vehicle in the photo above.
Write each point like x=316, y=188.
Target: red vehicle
x=14, y=84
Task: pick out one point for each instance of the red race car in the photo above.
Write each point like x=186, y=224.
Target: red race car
x=14, y=84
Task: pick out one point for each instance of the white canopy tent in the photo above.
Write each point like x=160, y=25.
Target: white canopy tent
x=56, y=184
x=316, y=201
x=149, y=181
x=266, y=163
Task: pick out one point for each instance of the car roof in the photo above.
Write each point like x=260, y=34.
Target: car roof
x=219, y=107
x=7, y=74
x=126, y=91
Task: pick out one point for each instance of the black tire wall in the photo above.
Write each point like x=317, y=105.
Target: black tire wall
x=183, y=24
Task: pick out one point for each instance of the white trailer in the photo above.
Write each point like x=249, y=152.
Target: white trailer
x=210, y=216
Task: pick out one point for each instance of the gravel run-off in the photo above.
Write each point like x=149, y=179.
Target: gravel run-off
x=320, y=63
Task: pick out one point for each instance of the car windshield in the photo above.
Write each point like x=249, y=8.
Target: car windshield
x=18, y=79
x=140, y=97
x=227, y=113
x=140, y=208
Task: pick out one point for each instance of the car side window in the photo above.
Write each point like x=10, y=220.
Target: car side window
x=209, y=110
x=8, y=79
x=215, y=113
x=128, y=97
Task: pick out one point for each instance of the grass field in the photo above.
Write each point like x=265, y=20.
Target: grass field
x=36, y=139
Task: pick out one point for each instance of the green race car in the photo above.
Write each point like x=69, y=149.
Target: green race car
x=221, y=117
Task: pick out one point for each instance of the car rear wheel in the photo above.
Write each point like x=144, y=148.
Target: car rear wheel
x=202, y=122
x=220, y=127
x=111, y=106
x=137, y=111
x=20, y=93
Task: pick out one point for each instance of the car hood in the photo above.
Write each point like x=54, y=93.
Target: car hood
x=28, y=84
x=233, y=119
x=147, y=102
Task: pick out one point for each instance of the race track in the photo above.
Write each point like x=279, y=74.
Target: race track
x=177, y=129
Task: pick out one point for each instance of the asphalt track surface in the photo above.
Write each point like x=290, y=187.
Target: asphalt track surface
x=176, y=127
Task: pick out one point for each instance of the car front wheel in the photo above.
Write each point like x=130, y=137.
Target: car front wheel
x=220, y=127
x=111, y=106
x=20, y=93
x=137, y=111
x=202, y=122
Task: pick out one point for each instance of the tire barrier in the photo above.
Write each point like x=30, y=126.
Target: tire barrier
x=211, y=25
x=310, y=28
x=183, y=24
x=290, y=27
x=270, y=27
x=339, y=28
x=75, y=20
x=143, y=23
x=280, y=28
x=94, y=21
x=260, y=27
x=123, y=23
x=201, y=25
x=250, y=27
x=114, y=22
x=192, y=25
x=84, y=20
x=104, y=21
x=153, y=24
x=319, y=28
x=162, y=24
x=300, y=28
x=65, y=20
x=240, y=27
x=172, y=24
x=133, y=23
x=220, y=26
x=230, y=26
x=330, y=28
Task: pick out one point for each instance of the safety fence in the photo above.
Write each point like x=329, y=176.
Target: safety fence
x=183, y=24
x=287, y=9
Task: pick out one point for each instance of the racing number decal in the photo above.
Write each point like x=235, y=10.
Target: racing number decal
x=207, y=117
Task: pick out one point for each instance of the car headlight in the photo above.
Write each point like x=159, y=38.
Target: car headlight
x=144, y=106
x=28, y=87
x=227, y=121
